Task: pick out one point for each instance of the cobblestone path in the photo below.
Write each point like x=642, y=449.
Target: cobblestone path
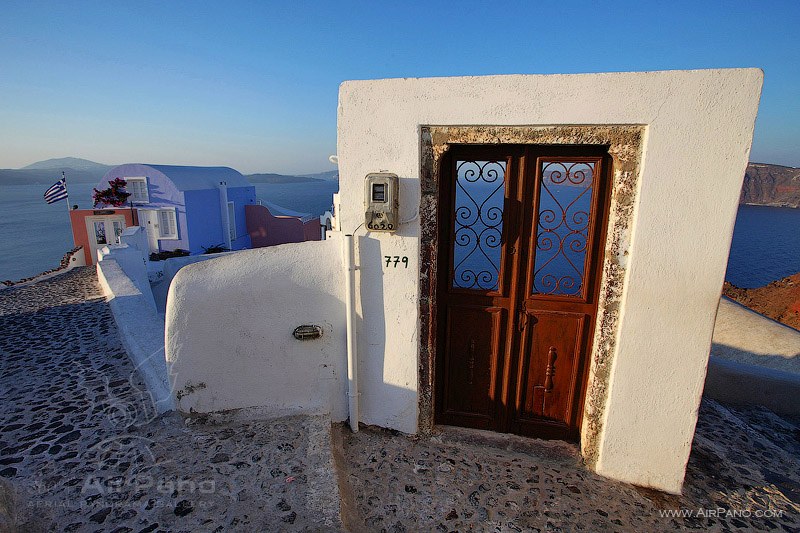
x=742, y=460
x=81, y=448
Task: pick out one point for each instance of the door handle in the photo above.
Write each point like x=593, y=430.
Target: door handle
x=550, y=371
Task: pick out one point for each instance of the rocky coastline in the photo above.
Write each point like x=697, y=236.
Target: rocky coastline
x=778, y=300
x=63, y=265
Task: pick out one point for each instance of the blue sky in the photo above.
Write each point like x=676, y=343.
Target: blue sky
x=254, y=85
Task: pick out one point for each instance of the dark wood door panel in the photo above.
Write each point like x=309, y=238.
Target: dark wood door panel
x=551, y=354
x=521, y=230
x=474, y=342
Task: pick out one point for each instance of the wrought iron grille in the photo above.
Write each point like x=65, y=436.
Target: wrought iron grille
x=562, y=227
x=478, y=224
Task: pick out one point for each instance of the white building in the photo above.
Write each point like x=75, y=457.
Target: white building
x=601, y=209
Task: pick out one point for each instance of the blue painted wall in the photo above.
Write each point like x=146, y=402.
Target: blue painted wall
x=204, y=220
x=197, y=210
x=162, y=193
x=241, y=196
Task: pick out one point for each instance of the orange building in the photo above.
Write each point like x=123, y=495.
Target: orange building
x=95, y=228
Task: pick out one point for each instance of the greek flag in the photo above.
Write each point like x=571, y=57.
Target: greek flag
x=57, y=192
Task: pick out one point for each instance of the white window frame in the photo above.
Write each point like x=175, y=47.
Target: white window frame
x=167, y=235
x=114, y=229
x=133, y=199
x=232, y=221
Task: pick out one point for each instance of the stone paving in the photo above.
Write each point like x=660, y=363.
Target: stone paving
x=81, y=448
x=743, y=461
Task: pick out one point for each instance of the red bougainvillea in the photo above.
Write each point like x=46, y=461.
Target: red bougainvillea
x=114, y=196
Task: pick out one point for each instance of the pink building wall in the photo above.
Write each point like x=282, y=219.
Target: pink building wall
x=312, y=230
x=265, y=229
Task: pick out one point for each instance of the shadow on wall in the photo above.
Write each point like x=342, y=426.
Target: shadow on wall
x=777, y=361
x=754, y=361
x=158, y=197
x=388, y=396
x=744, y=384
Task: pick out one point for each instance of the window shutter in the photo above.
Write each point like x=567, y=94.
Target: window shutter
x=167, y=224
x=163, y=224
x=138, y=189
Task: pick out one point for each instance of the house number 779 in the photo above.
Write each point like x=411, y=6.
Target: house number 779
x=394, y=260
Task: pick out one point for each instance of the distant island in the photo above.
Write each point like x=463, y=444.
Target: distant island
x=771, y=185
x=72, y=163
x=84, y=171
x=284, y=178
x=47, y=172
x=764, y=184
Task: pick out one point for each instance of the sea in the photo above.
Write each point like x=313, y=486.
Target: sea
x=34, y=235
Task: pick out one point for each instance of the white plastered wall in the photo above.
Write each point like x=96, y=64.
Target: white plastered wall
x=229, y=324
x=699, y=127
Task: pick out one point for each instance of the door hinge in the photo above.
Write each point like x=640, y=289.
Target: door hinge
x=471, y=361
x=522, y=318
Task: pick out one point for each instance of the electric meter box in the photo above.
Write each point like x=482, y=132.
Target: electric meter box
x=381, y=201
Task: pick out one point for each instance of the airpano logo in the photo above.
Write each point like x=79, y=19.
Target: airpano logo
x=720, y=512
x=146, y=483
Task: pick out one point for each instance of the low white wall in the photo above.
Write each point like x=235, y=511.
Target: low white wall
x=133, y=264
x=136, y=237
x=77, y=259
x=746, y=384
x=229, y=324
x=754, y=361
x=141, y=331
x=744, y=336
x=172, y=265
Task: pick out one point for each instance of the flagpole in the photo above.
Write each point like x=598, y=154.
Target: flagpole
x=64, y=177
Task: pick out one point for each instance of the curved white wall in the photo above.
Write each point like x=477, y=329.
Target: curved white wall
x=229, y=324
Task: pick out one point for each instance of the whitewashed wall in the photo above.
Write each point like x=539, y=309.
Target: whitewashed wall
x=130, y=256
x=699, y=129
x=229, y=323
x=229, y=320
x=140, y=328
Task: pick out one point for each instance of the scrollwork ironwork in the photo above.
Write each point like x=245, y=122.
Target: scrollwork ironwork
x=562, y=227
x=478, y=232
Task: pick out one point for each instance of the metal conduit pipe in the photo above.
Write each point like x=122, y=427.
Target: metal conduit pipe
x=226, y=220
x=352, y=346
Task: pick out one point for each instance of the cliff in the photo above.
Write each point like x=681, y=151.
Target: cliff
x=779, y=300
x=771, y=185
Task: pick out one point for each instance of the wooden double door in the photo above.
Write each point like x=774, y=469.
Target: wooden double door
x=522, y=231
